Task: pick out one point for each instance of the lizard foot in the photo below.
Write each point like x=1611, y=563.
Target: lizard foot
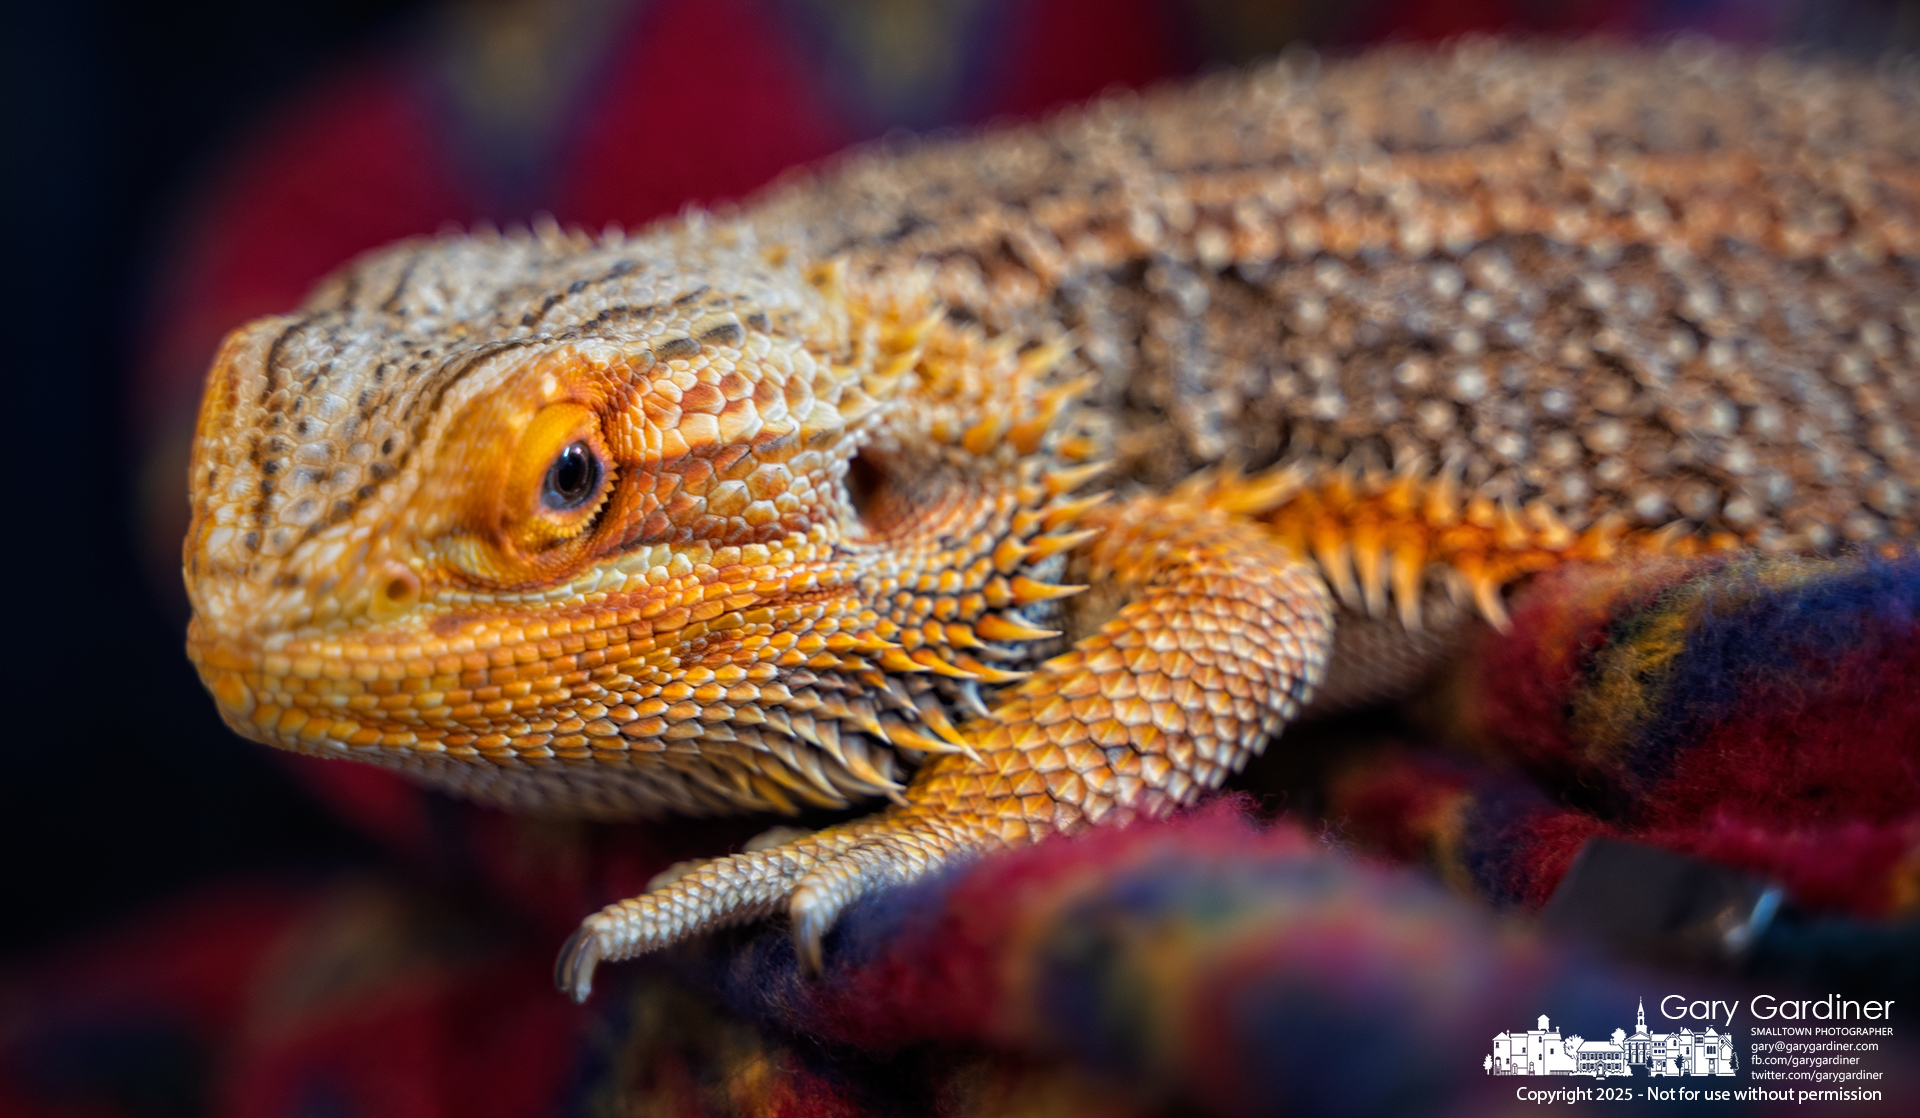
x=816, y=877
x=716, y=894
x=1226, y=634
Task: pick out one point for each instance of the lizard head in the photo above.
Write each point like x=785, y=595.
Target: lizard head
x=679, y=510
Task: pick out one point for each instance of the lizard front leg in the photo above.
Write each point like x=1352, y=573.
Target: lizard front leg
x=1224, y=635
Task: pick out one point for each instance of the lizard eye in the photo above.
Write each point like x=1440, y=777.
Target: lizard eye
x=559, y=480
x=572, y=479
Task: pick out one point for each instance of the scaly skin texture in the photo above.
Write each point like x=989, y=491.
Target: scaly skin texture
x=792, y=507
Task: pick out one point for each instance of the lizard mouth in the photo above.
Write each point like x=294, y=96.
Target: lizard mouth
x=467, y=681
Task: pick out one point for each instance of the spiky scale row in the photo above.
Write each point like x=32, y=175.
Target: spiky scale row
x=1379, y=539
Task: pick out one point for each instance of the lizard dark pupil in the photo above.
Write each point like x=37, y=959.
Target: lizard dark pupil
x=572, y=478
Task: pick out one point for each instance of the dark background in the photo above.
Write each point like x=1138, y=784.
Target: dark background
x=120, y=785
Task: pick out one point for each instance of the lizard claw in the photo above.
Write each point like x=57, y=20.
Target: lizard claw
x=714, y=894
x=888, y=856
x=573, y=971
x=813, y=912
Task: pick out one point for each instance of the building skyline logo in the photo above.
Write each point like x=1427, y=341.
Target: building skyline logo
x=1544, y=1051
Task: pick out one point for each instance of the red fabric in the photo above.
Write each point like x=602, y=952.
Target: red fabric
x=1398, y=801
x=1527, y=711
x=705, y=103
x=1799, y=756
x=1755, y=712
x=928, y=984
x=351, y=997
x=1063, y=51
x=464, y=1042
x=1859, y=868
x=1547, y=851
x=195, y=957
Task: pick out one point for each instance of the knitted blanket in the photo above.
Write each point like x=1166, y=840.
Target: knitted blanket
x=1761, y=713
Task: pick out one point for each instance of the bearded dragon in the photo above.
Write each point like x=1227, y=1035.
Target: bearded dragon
x=1298, y=369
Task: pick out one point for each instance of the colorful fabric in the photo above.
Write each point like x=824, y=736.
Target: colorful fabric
x=1207, y=962
x=1760, y=713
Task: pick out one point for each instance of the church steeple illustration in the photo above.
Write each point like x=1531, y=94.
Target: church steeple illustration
x=1545, y=1050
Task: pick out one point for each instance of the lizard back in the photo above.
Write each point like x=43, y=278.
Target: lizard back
x=1676, y=285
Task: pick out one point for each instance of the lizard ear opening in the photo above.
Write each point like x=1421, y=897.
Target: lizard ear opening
x=875, y=495
x=865, y=480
